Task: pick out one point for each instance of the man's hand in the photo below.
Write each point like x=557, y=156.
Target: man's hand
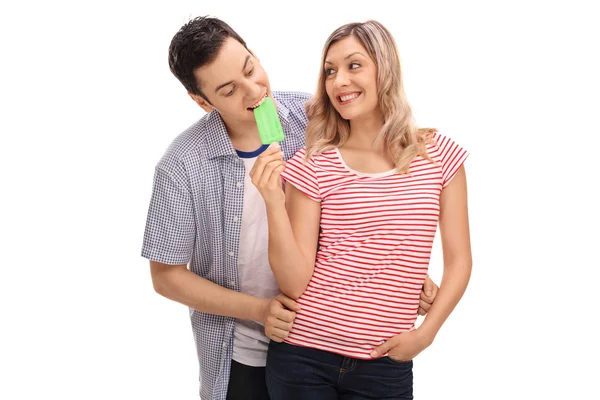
x=428, y=294
x=403, y=347
x=278, y=317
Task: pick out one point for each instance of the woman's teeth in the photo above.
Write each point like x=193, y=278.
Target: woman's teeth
x=349, y=97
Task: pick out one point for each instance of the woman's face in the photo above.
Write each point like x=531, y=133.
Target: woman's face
x=351, y=79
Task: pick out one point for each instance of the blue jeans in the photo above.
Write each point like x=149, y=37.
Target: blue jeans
x=301, y=373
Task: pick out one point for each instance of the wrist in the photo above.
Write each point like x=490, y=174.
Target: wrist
x=275, y=204
x=426, y=334
x=259, y=309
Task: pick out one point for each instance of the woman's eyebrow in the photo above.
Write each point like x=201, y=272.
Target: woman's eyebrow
x=347, y=57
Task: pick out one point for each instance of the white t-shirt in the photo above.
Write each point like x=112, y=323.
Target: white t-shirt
x=255, y=275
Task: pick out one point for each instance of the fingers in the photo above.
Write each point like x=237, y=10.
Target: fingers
x=274, y=322
x=428, y=293
x=276, y=334
x=284, y=315
x=384, y=348
x=429, y=287
x=379, y=351
x=270, y=176
x=275, y=180
x=280, y=320
x=424, y=307
x=272, y=153
x=287, y=302
x=272, y=149
x=277, y=311
x=260, y=165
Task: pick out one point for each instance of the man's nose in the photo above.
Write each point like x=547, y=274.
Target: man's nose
x=255, y=91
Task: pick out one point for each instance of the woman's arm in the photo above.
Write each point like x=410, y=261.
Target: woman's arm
x=293, y=240
x=293, y=224
x=456, y=247
x=456, y=244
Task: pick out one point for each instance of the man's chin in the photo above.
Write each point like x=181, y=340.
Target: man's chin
x=249, y=119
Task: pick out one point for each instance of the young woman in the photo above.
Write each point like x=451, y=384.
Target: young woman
x=351, y=237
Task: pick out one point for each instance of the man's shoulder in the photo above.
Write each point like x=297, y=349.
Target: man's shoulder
x=292, y=98
x=189, y=143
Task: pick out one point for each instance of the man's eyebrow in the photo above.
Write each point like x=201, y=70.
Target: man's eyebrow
x=246, y=62
x=347, y=57
x=221, y=86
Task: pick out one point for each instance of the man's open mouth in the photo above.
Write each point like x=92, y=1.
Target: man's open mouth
x=258, y=103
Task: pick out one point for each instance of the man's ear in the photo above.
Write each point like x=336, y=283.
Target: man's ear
x=201, y=101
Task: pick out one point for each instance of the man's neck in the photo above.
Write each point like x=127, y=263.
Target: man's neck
x=244, y=137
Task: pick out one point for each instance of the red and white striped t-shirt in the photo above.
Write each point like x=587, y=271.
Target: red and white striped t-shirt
x=377, y=231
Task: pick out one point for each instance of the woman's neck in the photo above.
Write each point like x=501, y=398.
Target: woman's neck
x=365, y=133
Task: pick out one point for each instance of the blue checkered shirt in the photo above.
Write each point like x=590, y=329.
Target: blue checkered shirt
x=195, y=217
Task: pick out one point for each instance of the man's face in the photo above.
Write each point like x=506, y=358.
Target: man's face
x=234, y=83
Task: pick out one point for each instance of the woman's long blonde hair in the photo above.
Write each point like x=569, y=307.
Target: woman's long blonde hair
x=326, y=128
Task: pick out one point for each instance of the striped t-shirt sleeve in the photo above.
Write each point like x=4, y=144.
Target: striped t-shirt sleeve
x=452, y=156
x=302, y=175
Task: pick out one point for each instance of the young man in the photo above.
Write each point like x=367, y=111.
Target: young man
x=205, y=212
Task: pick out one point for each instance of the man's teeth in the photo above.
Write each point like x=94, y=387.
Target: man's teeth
x=259, y=103
x=349, y=97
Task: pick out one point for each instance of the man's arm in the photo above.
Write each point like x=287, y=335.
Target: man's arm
x=179, y=284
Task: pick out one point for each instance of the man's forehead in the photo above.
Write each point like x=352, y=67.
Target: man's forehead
x=226, y=66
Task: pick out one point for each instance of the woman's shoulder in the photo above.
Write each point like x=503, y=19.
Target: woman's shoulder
x=443, y=149
x=316, y=156
x=436, y=141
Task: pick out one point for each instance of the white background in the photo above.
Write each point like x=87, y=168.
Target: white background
x=88, y=106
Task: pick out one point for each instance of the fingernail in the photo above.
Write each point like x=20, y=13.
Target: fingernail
x=428, y=293
x=373, y=354
x=274, y=145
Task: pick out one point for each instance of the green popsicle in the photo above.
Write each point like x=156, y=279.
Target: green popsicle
x=269, y=127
